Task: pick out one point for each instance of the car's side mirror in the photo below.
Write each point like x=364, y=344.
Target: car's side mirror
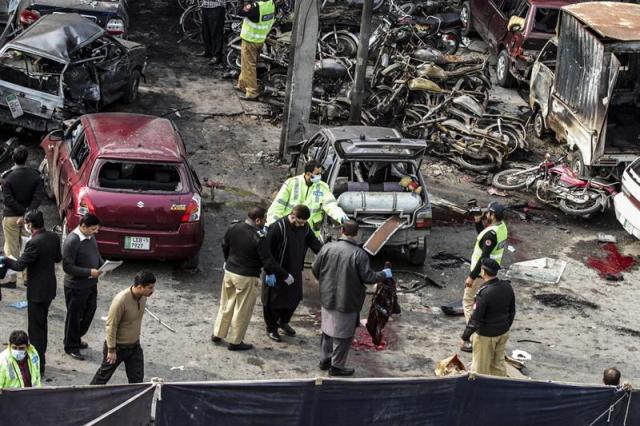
x=516, y=24
x=56, y=135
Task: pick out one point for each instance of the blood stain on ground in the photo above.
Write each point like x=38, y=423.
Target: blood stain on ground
x=613, y=263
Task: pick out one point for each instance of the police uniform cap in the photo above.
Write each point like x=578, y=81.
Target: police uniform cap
x=496, y=207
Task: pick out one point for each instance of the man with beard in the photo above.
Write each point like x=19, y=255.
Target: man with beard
x=288, y=238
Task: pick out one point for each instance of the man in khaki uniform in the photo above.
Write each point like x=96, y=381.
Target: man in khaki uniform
x=493, y=314
x=246, y=252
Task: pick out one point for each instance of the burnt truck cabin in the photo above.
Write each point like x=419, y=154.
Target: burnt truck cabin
x=595, y=101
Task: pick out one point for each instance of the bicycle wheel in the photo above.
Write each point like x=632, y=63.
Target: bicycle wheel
x=191, y=23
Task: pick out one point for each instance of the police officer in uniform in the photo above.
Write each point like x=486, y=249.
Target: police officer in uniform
x=308, y=189
x=490, y=244
x=246, y=252
x=493, y=314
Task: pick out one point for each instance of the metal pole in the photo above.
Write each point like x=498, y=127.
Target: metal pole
x=361, y=66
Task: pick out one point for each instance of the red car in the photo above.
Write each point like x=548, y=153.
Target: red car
x=131, y=171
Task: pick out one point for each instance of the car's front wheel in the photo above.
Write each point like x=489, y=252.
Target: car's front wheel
x=132, y=89
x=465, y=18
x=503, y=72
x=46, y=179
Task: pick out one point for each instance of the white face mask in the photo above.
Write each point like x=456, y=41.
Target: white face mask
x=19, y=354
x=316, y=178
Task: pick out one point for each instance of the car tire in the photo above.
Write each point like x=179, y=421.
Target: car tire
x=418, y=255
x=503, y=75
x=576, y=161
x=132, y=87
x=539, y=127
x=190, y=263
x=46, y=179
x=465, y=18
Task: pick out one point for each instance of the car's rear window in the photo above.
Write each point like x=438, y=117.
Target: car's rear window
x=545, y=20
x=131, y=176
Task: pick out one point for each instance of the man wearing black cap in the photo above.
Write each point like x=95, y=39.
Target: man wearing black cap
x=490, y=244
x=493, y=314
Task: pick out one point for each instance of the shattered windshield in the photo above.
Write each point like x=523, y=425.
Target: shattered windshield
x=34, y=72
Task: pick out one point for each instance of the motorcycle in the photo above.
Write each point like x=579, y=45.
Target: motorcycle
x=557, y=184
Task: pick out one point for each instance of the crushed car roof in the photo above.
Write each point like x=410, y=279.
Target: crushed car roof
x=135, y=137
x=618, y=21
x=57, y=36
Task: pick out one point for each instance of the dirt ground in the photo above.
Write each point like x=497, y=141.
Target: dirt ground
x=233, y=142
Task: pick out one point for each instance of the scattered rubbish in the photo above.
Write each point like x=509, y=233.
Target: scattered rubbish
x=494, y=191
x=562, y=301
x=529, y=341
x=515, y=366
x=103, y=318
x=520, y=355
x=512, y=249
x=451, y=366
x=449, y=260
x=606, y=238
x=628, y=331
x=179, y=367
x=614, y=262
x=427, y=281
x=614, y=277
x=453, y=308
x=19, y=305
x=544, y=270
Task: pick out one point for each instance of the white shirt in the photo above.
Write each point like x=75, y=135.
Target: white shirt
x=80, y=235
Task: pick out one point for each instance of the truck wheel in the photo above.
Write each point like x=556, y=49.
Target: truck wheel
x=577, y=163
x=418, y=255
x=503, y=75
x=46, y=179
x=132, y=88
x=538, y=124
x=465, y=18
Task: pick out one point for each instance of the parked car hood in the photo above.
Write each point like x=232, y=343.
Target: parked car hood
x=57, y=36
x=89, y=6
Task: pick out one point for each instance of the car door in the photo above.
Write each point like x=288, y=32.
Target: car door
x=113, y=71
x=480, y=15
x=542, y=75
x=497, y=31
x=71, y=168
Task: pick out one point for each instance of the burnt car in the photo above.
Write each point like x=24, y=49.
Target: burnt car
x=374, y=174
x=63, y=66
x=111, y=15
x=515, y=30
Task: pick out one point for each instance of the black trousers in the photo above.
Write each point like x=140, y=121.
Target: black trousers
x=275, y=316
x=213, y=31
x=81, y=306
x=133, y=359
x=37, y=313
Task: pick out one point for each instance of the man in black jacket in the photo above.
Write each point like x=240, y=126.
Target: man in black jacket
x=246, y=252
x=80, y=261
x=493, y=314
x=22, y=190
x=343, y=268
x=40, y=255
x=288, y=240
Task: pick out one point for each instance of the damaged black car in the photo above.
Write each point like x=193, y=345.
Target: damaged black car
x=63, y=66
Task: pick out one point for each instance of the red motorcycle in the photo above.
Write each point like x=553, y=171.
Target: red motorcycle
x=557, y=184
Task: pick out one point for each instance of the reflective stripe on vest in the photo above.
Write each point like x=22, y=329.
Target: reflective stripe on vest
x=256, y=32
x=496, y=254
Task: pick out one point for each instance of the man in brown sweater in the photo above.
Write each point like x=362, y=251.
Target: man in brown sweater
x=123, y=331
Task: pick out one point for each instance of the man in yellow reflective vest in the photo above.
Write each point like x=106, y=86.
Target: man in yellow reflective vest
x=310, y=190
x=489, y=244
x=19, y=363
x=258, y=20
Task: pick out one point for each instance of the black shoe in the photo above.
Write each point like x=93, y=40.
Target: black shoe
x=273, y=335
x=204, y=54
x=83, y=345
x=325, y=364
x=288, y=330
x=75, y=355
x=335, y=371
x=240, y=346
x=215, y=339
x=466, y=347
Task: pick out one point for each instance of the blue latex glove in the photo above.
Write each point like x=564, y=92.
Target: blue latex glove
x=2, y=258
x=270, y=280
x=387, y=272
x=344, y=219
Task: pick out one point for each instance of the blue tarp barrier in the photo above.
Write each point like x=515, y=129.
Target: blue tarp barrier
x=464, y=400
